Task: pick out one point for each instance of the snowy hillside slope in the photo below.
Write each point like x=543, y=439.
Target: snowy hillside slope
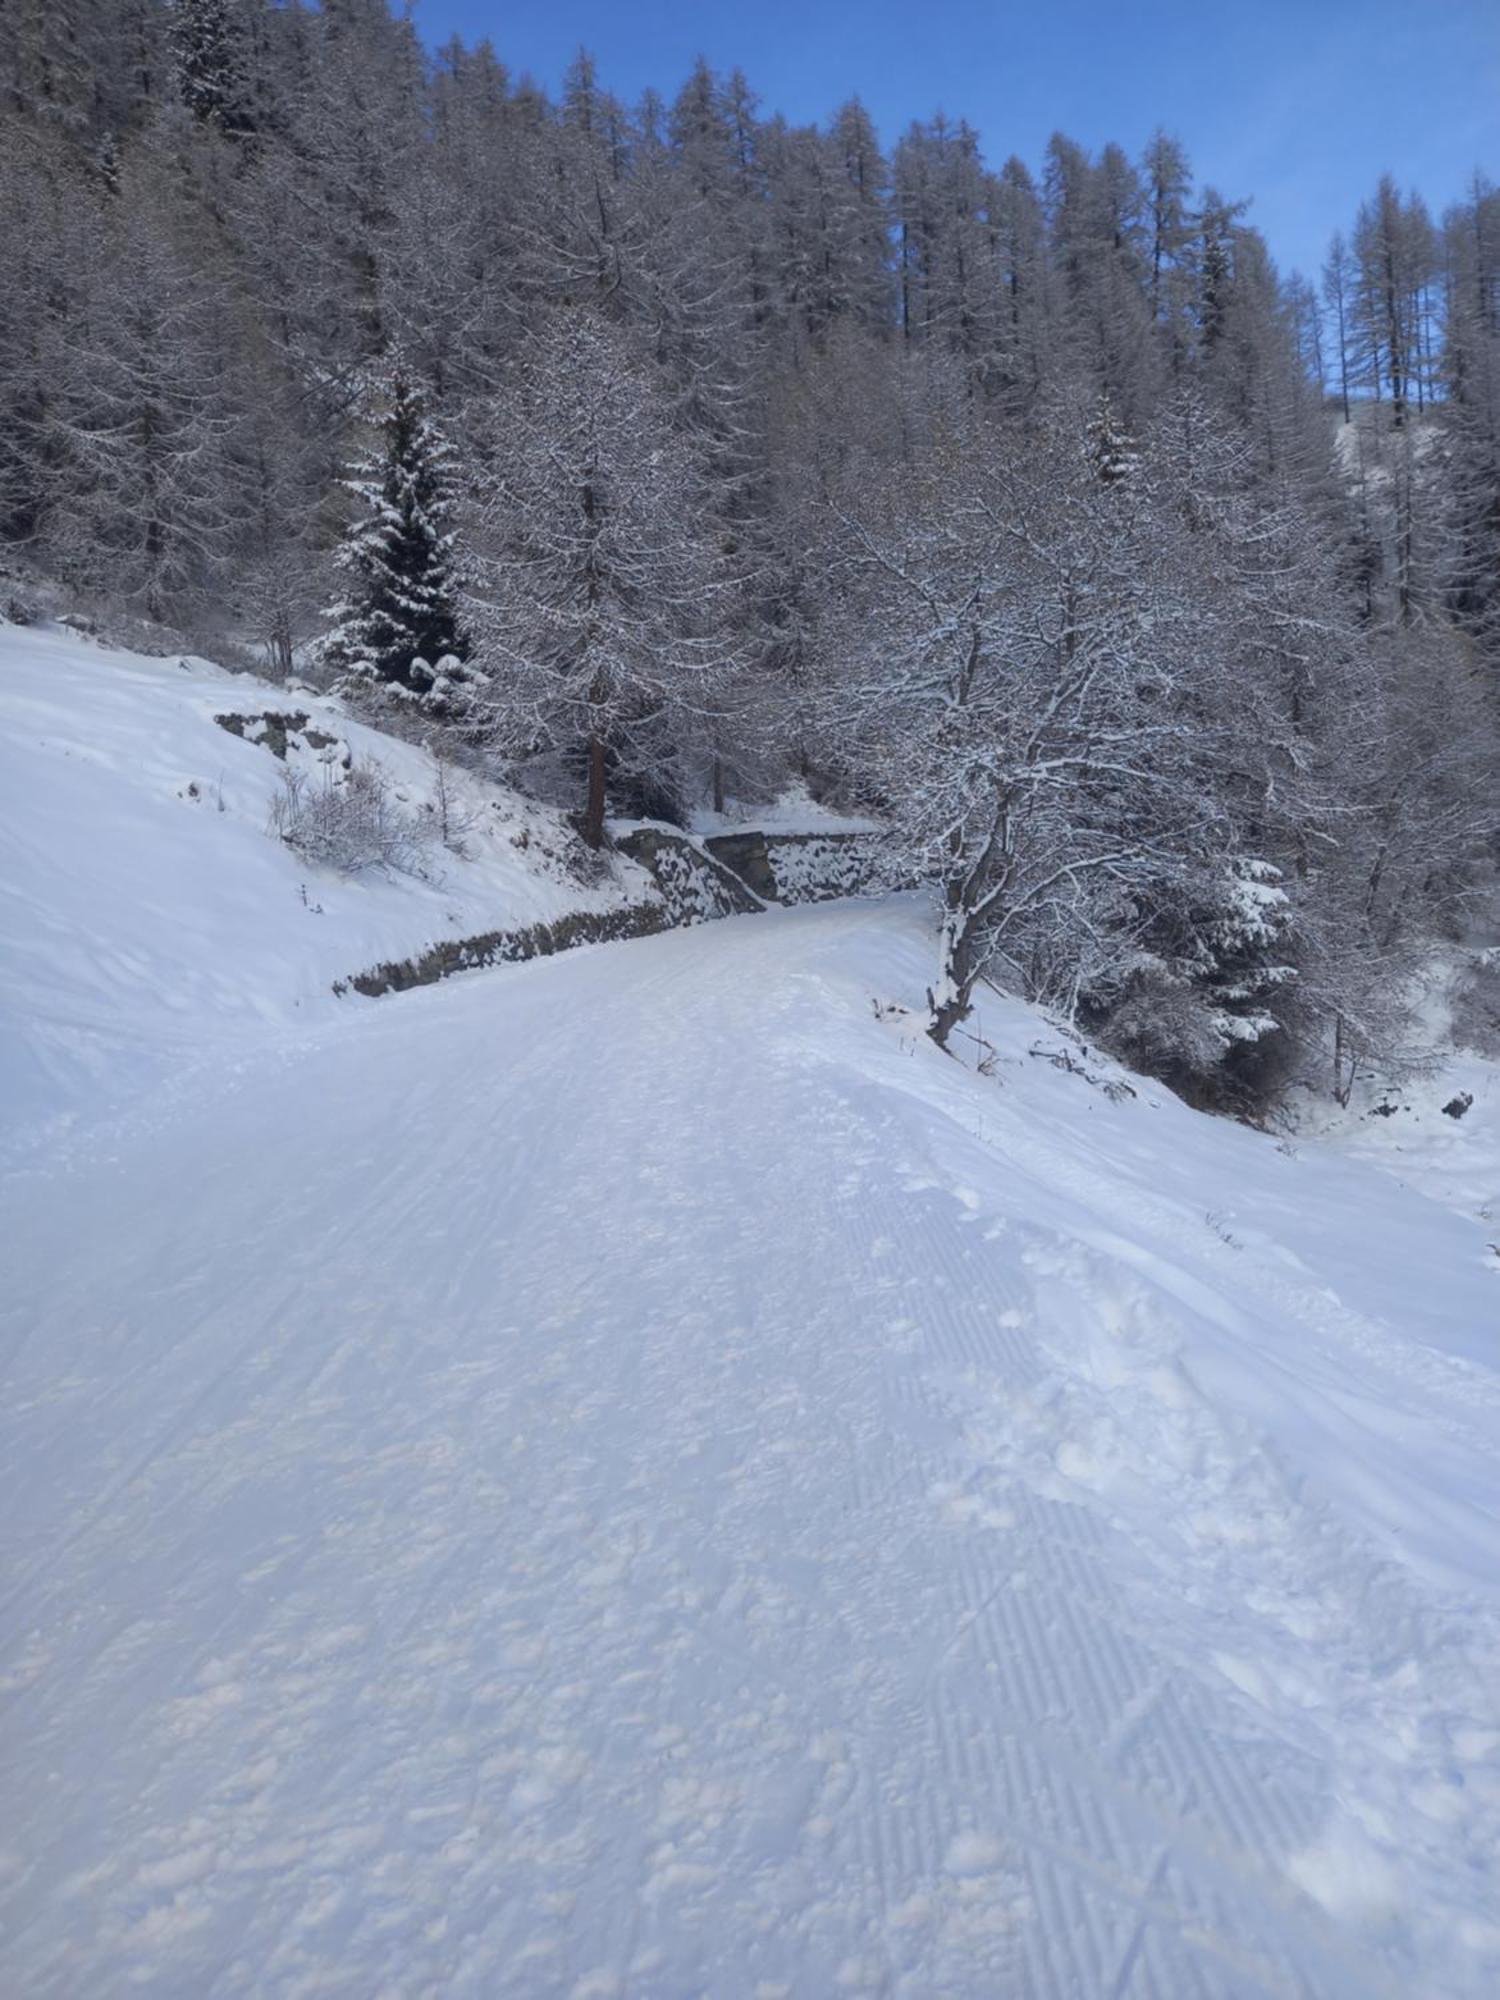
x=635, y=1475
x=1438, y=1131
x=1440, y=1135
x=148, y=918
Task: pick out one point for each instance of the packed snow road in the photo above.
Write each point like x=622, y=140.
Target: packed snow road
x=633, y=1475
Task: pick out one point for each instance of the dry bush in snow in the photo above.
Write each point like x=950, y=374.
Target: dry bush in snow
x=349, y=820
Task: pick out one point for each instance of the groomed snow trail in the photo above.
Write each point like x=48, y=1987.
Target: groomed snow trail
x=635, y=1476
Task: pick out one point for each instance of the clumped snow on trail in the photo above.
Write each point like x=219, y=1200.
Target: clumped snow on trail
x=634, y=1475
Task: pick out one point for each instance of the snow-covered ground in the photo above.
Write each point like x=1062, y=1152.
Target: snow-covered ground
x=143, y=907
x=1438, y=1131
x=634, y=1475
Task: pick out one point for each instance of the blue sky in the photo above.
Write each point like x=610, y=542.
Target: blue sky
x=1300, y=103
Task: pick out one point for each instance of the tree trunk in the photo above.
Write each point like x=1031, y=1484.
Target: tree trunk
x=949, y=1002
x=1343, y=1087
x=593, y=817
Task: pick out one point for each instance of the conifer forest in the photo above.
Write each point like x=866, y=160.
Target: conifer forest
x=657, y=451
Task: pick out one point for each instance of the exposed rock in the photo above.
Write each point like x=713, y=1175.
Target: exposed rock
x=806, y=867
x=696, y=885
x=274, y=728
x=747, y=855
x=698, y=880
x=471, y=954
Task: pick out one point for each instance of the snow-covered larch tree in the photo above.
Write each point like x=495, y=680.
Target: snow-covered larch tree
x=610, y=631
x=135, y=431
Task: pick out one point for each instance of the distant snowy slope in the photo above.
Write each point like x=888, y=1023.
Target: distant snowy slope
x=634, y=1475
x=1438, y=1131
x=149, y=919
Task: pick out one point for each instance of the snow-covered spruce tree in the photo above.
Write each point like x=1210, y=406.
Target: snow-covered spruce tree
x=1202, y=997
x=1203, y=991
x=611, y=624
x=399, y=627
x=1111, y=452
x=208, y=45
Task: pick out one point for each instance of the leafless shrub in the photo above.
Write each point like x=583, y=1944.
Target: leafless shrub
x=455, y=816
x=349, y=820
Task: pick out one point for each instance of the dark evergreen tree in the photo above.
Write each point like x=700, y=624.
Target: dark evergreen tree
x=208, y=58
x=401, y=617
x=1110, y=451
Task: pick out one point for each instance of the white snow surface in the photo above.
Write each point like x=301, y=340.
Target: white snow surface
x=1439, y=1130
x=633, y=1475
x=794, y=812
x=143, y=908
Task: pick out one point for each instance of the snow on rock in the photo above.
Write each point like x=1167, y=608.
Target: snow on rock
x=635, y=1474
x=793, y=811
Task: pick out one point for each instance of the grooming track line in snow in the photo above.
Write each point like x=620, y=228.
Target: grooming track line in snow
x=633, y=1475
